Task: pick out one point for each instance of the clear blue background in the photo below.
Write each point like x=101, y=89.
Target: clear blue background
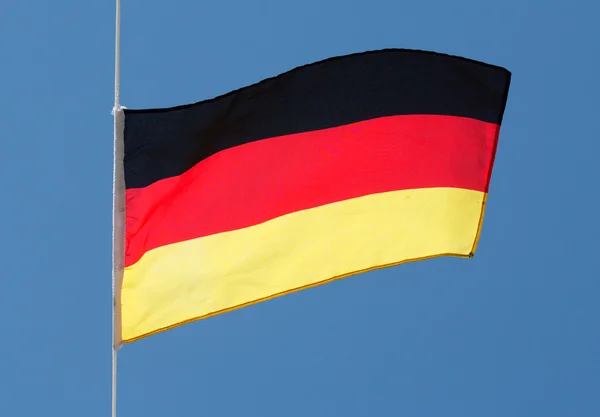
x=512, y=332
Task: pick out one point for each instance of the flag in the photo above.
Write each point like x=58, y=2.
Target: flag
x=334, y=168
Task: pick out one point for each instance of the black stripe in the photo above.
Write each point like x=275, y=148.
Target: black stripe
x=162, y=143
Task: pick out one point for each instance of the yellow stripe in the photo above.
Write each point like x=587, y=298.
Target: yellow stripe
x=190, y=280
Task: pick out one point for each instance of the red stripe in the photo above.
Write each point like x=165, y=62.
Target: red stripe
x=252, y=183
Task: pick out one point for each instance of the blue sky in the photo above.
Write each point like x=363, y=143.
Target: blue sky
x=511, y=332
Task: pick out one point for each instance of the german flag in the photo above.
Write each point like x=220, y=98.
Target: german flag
x=342, y=166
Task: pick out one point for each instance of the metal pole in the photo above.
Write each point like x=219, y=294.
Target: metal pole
x=118, y=210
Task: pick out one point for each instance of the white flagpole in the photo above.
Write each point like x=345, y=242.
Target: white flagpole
x=118, y=220
x=117, y=51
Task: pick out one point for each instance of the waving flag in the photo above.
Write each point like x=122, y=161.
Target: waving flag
x=345, y=165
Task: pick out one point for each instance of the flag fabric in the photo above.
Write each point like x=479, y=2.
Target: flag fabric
x=342, y=166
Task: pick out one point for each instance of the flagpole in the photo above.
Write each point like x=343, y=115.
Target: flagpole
x=117, y=51
x=118, y=210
